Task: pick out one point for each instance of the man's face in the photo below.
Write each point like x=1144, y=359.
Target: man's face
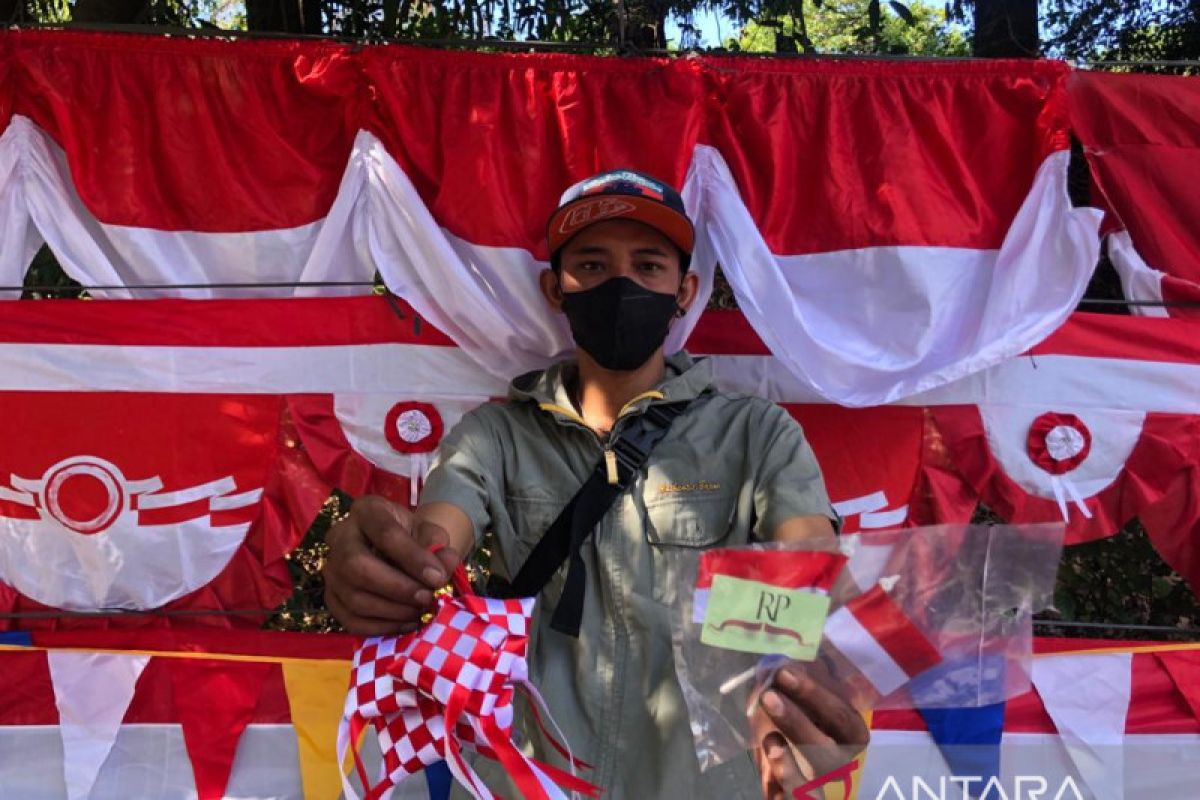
x=620, y=247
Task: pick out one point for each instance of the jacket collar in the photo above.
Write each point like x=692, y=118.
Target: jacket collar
x=685, y=378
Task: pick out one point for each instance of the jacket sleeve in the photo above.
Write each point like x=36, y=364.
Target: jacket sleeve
x=466, y=470
x=788, y=481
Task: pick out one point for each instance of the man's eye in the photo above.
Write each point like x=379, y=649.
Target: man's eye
x=650, y=266
x=591, y=266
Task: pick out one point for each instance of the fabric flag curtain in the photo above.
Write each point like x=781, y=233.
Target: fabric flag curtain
x=247, y=412
x=930, y=239
x=1140, y=138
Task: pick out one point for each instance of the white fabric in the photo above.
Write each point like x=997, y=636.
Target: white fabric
x=857, y=644
x=417, y=370
x=867, y=327
x=1011, y=395
x=92, y=692
x=19, y=239
x=1064, y=442
x=35, y=183
x=363, y=417
x=1114, y=435
x=1161, y=767
x=1087, y=697
x=486, y=299
x=1138, y=280
x=151, y=761
x=935, y=313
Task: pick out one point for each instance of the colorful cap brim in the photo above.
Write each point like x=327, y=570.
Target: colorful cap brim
x=578, y=214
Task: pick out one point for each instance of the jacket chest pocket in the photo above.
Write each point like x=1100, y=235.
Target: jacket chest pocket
x=676, y=528
x=531, y=519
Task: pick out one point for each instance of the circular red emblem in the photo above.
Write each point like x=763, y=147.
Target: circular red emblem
x=412, y=427
x=84, y=495
x=1058, y=443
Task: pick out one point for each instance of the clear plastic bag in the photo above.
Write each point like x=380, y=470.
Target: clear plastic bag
x=935, y=617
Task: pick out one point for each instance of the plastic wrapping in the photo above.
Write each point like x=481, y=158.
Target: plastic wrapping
x=935, y=617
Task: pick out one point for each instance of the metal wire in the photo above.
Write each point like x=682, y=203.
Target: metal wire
x=45, y=288
x=170, y=286
x=266, y=612
x=1113, y=626
x=125, y=612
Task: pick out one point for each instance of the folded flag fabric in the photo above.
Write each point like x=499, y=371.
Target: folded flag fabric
x=879, y=639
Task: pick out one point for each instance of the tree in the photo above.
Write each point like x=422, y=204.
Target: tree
x=844, y=27
x=1124, y=29
x=1006, y=28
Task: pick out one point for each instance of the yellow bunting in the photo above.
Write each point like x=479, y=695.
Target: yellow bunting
x=316, y=692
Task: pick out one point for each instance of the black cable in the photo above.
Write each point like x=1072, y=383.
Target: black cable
x=125, y=612
x=1105, y=301
x=170, y=286
x=1113, y=626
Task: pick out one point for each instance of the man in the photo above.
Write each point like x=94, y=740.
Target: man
x=730, y=469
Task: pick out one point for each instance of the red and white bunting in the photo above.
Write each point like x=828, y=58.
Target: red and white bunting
x=866, y=277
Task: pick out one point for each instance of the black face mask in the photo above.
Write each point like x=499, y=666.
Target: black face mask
x=619, y=323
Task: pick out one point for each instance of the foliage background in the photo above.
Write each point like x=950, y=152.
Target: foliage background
x=1115, y=582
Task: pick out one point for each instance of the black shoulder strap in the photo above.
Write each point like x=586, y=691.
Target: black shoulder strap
x=564, y=538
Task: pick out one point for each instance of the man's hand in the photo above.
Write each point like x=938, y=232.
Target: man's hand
x=380, y=574
x=803, y=708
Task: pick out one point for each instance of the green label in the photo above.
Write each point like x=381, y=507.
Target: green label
x=757, y=617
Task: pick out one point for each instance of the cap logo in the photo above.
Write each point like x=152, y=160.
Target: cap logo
x=588, y=212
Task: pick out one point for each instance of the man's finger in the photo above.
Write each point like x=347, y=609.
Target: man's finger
x=785, y=772
x=793, y=723
x=831, y=713
x=365, y=604
x=387, y=528
x=361, y=626
x=360, y=570
x=433, y=536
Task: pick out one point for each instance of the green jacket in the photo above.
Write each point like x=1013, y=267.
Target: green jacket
x=731, y=469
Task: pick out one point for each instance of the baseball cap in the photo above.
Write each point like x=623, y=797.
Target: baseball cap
x=621, y=194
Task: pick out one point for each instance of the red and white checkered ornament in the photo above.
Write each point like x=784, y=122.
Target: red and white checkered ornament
x=449, y=684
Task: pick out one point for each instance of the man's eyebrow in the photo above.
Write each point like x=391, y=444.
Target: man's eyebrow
x=591, y=249
x=652, y=250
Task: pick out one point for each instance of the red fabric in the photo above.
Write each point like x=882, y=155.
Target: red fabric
x=1183, y=667
x=154, y=701
x=1141, y=140
x=335, y=460
x=1133, y=338
x=794, y=570
x=172, y=435
x=1159, y=472
x=1040, y=453
x=863, y=451
x=894, y=631
x=491, y=141
x=27, y=692
x=294, y=322
x=253, y=135
x=267, y=644
x=1158, y=704
x=215, y=701
x=429, y=415
x=193, y=134
x=801, y=138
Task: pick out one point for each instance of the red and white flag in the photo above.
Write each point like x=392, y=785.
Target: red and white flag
x=878, y=638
